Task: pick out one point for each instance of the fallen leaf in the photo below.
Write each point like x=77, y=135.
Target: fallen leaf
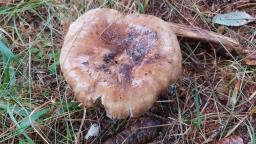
x=231, y=140
x=251, y=60
x=233, y=18
x=125, y=2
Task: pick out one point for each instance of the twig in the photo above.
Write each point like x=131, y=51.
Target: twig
x=81, y=126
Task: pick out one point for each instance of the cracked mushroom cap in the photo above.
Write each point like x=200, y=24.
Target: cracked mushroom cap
x=125, y=61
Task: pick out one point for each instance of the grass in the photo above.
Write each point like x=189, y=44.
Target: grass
x=213, y=99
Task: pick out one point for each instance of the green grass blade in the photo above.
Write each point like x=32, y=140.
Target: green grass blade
x=253, y=140
x=6, y=52
x=11, y=114
x=8, y=56
x=27, y=121
x=16, y=109
x=197, y=121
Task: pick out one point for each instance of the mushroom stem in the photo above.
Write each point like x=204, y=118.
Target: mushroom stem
x=201, y=34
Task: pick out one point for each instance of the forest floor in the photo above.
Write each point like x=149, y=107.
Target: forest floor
x=214, y=98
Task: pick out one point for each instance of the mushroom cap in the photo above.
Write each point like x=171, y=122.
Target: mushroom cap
x=125, y=61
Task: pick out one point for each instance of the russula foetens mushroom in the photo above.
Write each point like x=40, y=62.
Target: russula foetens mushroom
x=123, y=60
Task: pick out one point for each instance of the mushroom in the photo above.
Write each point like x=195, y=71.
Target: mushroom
x=123, y=60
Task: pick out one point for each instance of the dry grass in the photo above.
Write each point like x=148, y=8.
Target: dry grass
x=215, y=97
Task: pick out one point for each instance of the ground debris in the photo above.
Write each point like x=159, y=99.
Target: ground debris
x=231, y=140
x=8, y=2
x=141, y=132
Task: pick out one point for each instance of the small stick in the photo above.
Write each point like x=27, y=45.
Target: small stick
x=80, y=128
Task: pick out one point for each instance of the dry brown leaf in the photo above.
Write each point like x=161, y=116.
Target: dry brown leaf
x=251, y=60
x=231, y=140
x=125, y=2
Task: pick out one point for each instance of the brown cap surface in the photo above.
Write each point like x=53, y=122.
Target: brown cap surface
x=125, y=61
